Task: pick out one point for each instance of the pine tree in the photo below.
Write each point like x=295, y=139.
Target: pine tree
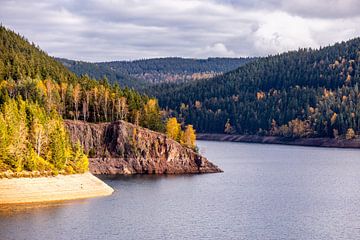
x=151, y=117
x=17, y=145
x=80, y=160
x=59, y=146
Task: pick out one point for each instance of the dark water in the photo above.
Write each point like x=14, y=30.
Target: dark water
x=266, y=192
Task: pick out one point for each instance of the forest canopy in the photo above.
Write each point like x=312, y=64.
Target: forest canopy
x=33, y=140
x=304, y=93
x=37, y=93
x=141, y=73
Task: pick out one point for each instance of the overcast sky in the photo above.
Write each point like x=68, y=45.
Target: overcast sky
x=103, y=30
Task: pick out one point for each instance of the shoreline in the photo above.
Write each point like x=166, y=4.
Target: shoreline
x=308, y=142
x=48, y=189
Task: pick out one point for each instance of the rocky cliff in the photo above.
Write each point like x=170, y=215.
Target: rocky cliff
x=123, y=148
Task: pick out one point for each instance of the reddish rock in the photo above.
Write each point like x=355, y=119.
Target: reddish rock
x=123, y=148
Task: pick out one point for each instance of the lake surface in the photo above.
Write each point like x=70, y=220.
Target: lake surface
x=265, y=192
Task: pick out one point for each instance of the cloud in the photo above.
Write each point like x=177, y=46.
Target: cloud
x=305, y=8
x=215, y=50
x=323, y=8
x=103, y=30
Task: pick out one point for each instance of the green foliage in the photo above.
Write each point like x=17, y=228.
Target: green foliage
x=15, y=135
x=177, y=65
x=19, y=59
x=300, y=90
x=37, y=92
x=32, y=140
x=151, y=117
x=28, y=72
x=186, y=138
x=80, y=160
x=99, y=70
x=59, y=147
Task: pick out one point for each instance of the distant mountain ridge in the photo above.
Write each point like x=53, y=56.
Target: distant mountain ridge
x=139, y=73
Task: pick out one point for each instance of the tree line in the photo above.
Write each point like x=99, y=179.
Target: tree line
x=304, y=93
x=141, y=73
x=37, y=93
x=87, y=99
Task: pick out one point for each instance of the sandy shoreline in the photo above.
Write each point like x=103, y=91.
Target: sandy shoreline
x=312, y=142
x=44, y=189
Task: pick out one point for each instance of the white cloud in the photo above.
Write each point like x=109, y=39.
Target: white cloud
x=215, y=50
x=102, y=30
x=279, y=32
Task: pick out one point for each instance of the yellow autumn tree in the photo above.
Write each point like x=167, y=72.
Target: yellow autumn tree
x=151, y=117
x=76, y=99
x=228, y=128
x=151, y=105
x=188, y=137
x=350, y=134
x=63, y=91
x=333, y=118
x=121, y=108
x=173, y=129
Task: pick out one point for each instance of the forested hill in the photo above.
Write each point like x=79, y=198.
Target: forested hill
x=177, y=65
x=139, y=73
x=37, y=92
x=20, y=59
x=301, y=93
x=98, y=71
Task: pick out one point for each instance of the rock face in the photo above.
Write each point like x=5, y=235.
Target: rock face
x=123, y=148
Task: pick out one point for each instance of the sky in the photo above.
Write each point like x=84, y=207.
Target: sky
x=106, y=30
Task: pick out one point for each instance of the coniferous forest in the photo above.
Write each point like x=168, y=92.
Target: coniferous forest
x=304, y=93
x=37, y=92
x=139, y=74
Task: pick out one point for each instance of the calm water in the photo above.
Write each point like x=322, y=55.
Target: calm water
x=266, y=192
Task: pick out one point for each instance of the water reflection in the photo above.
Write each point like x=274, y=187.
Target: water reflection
x=7, y=210
x=265, y=192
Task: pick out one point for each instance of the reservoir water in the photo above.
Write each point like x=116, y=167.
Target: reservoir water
x=265, y=192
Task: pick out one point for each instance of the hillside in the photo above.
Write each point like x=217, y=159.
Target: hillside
x=37, y=92
x=99, y=71
x=304, y=93
x=140, y=73
x=27, y=71
x=20, y=59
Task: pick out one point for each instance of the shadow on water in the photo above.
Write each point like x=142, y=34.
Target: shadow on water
x=7, y=210
x=144, y=177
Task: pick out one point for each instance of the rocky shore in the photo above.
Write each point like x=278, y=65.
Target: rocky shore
x=44, y=189
x=113, y=148
x=313, y=142
x=123, y=148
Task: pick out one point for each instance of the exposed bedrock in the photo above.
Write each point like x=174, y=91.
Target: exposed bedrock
x=123, y=148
